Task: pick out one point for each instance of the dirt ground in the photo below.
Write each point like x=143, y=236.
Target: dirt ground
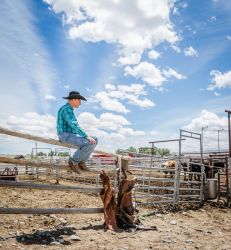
x=208, y=227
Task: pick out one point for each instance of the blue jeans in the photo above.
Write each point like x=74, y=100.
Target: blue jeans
x=85, y=148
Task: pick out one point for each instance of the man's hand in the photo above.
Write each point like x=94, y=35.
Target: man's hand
x=91, y=140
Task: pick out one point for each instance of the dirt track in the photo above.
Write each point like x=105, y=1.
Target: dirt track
x=205, y=228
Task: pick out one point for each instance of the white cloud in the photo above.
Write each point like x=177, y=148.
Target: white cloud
x=33, y=123
x=109, y=103
x=151, y=75
x=228, y=37
x=106, y=121
x=130, y=131
x=190, y=51
x=220, y=80
x=132, y=94
x=112, y=130
x=109, y=86
x=136, y=89
x=169, y=72
x=142, y=24
x=112, y=97
x=210, y=134
x=50, y=97
x=206, y=118
x=153, y=54
x=147, y=72
x=144, y=103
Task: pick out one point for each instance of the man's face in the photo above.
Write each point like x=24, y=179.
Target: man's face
x=75, y=103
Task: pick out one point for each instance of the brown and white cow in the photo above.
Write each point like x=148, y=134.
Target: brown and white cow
x=169, y=168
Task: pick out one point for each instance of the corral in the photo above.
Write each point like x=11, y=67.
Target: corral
x=160, y=191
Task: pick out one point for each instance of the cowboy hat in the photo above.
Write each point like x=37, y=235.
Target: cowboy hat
x=75, y=95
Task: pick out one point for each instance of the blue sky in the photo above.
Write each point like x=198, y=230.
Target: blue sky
x=147, y=68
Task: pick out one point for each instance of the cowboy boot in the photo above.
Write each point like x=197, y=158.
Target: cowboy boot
x=82, y=165
x=73, y=166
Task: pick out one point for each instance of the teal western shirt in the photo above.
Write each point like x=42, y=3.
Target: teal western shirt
x=66, y=121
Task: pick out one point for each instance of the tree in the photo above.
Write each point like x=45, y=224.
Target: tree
x=147, y=150
x=41, y=154
x=63, y=154
x=157, y=151
x=132, y=149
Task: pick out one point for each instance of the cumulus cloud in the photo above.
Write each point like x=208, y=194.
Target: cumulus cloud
x=169, y=72
x=151, y=75
x=153, y=54
x=147, y=72
x=107, y=121
x=130, y=131
x=108, y=103
x=109, y=128
x=112, y=98
x=190, y=51
x=209, y=119
x=109, y=86
x=213, y=124
x=33, y=123
x=142, y=24
x=220, y=80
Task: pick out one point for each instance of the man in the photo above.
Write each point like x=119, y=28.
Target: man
x=69, y=131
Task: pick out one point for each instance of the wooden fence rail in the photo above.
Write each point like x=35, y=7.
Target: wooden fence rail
x=40, y=139
x=29, y=162
x=51, y=210
x=29, y=185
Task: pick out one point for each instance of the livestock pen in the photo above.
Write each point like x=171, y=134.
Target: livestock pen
x=156, y=183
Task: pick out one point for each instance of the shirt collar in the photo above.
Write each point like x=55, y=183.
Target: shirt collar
x=68, y=104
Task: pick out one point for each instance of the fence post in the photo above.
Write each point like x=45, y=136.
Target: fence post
x=56, y=174
x=176, y=184
x=202, y=187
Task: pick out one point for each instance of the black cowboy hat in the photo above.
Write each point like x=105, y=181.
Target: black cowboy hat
x=75, y=95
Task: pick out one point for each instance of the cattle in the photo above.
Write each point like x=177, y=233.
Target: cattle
x=210, y=171
x=184, y=167
x=169, y=167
